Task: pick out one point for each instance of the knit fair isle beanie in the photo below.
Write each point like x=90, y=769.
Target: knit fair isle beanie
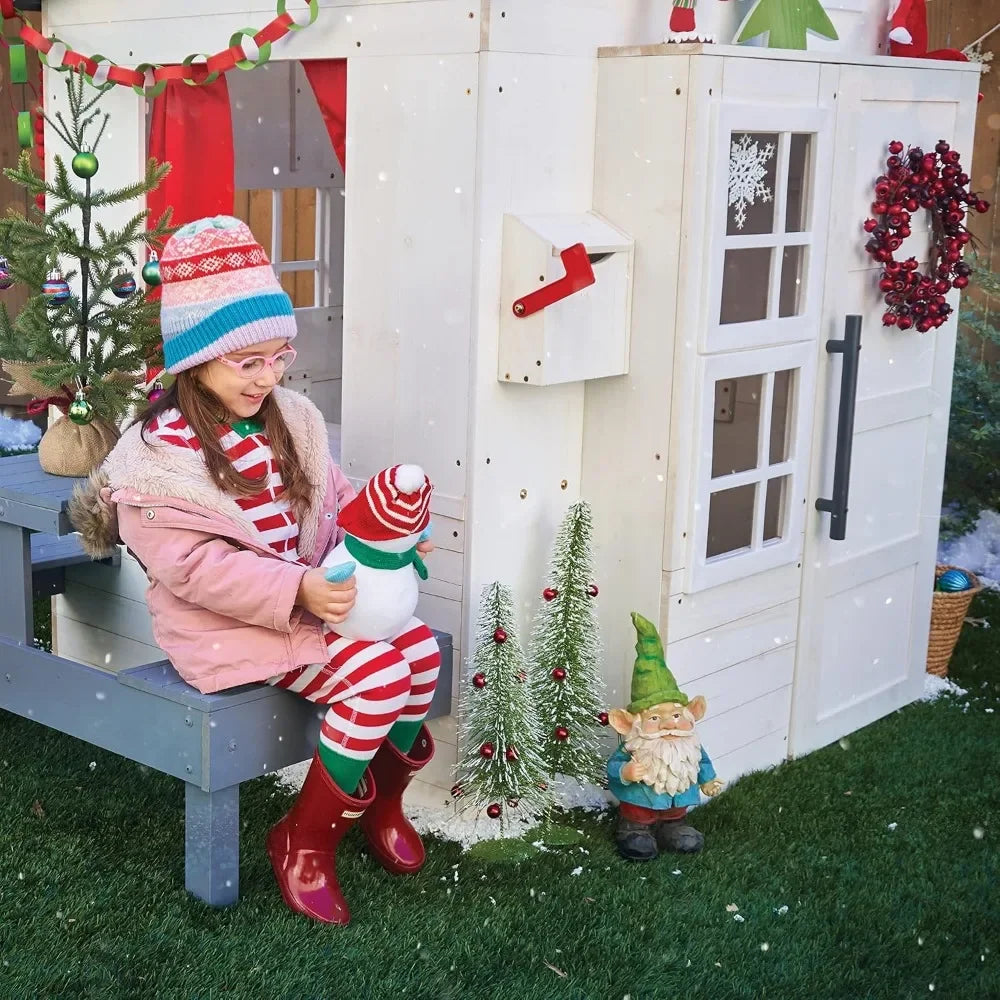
x=219, y=294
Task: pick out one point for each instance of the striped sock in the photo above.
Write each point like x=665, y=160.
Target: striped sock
x=366, y=685
x=420, y=649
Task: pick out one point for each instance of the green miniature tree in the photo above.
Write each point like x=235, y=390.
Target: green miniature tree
x=566, y=682
x=501, y=766
x=87, y=330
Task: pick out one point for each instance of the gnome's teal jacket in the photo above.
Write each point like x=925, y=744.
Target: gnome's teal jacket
x=638, y=793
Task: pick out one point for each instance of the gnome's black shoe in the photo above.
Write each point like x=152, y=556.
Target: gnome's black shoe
x=675, y=836
x=635, y=841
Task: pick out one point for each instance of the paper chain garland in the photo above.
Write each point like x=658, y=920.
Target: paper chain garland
x=147, y=79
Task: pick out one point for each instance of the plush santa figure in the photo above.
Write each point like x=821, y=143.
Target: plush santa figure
x=908, y=32
x=383, y=525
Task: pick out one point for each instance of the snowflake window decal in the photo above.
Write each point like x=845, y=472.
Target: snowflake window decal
x=747, y=170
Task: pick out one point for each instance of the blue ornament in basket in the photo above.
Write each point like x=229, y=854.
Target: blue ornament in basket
x=952, y=581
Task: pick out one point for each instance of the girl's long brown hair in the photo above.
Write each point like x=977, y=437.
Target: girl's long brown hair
x=204, y=411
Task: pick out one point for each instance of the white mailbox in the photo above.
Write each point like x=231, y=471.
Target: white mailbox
x=583, y=334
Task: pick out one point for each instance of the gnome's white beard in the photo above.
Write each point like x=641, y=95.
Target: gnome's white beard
x=671, y=762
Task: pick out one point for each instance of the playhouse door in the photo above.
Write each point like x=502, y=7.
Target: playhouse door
x=865, y=608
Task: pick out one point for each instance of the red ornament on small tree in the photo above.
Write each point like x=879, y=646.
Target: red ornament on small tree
x=479, y=680
x=500, y=636
x=493, y=810
x=559, y=674
x=561, y=733
x=487, y=750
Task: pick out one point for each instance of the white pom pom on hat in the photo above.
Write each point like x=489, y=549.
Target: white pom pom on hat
x=393, y=504
x=409, y=478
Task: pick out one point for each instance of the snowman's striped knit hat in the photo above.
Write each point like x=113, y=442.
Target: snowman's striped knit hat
x=393, y=504
x=219, y=294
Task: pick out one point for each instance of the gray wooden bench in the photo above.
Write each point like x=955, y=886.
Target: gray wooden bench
x=145, y=713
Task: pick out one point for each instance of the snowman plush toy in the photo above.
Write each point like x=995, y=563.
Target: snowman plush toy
x=383, y=525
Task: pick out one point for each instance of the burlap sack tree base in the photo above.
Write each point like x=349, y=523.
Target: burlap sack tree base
x=69, y=449
x=66, y=448
x=22, y=375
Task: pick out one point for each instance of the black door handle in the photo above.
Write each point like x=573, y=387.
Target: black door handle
x=850, y=347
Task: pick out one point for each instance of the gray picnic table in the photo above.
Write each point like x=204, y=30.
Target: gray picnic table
x=146, y=713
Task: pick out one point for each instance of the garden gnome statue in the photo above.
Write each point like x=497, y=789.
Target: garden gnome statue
x=658, y=770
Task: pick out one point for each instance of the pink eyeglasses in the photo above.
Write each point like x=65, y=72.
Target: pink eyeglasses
x=249, y=367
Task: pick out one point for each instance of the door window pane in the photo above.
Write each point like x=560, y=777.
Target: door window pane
x=799, y=177
x=745, y=279
x=730, y=520
x=736, y=430
x=774, y=508
x=781, y=421
x=753, y=168
x=791, y=298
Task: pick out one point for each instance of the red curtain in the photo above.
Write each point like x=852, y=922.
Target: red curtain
x=192, y=130
x=328, y=79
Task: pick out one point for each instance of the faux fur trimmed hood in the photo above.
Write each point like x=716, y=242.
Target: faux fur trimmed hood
x=138, y=473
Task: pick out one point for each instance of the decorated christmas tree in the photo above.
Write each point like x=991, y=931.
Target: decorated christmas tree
x=84, y=337
x=566, y=681
x=501, y=767
x=786, y=23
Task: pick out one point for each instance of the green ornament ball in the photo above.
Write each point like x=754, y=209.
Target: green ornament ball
x=151, y=273
x=80, y=411
x=84, y=165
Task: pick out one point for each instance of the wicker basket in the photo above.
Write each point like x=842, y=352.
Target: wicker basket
x=948, y=612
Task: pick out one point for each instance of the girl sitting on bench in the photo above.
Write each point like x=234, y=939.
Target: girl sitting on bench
x=226, y=493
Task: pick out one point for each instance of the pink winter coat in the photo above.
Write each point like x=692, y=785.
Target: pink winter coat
x=222, y=602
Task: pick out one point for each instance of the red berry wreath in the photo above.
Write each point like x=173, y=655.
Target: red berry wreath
x=934, y=181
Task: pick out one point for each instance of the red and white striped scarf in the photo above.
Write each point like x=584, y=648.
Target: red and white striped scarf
x=269, y=512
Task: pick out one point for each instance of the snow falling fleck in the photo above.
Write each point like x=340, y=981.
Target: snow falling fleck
x=747, y=170
x=978, y=832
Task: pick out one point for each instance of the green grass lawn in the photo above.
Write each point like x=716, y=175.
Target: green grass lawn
x=92, y=901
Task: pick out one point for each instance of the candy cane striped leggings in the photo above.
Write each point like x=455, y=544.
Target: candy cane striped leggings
x=369, y=686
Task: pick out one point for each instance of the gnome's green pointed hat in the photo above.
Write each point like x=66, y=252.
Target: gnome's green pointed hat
x=652, y=681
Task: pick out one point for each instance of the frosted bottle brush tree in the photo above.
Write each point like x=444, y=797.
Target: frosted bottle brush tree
x=566, y=682
x=501, y=767
x=83, y=339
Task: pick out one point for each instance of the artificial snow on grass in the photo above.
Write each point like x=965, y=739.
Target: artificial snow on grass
x=935, y=686
x=18, y=435
x=978, y=551
x=449, y=821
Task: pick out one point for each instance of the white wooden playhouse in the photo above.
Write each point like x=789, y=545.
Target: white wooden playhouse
x=688, y=393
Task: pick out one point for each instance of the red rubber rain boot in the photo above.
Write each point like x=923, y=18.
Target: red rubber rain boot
x=303, y=845
x=396, y=845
